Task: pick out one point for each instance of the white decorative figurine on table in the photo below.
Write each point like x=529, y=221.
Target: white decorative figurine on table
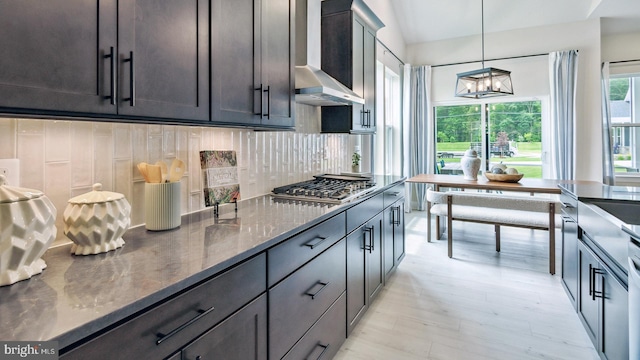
x=470, y=164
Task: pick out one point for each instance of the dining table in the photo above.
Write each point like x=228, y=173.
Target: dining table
x=527, y=185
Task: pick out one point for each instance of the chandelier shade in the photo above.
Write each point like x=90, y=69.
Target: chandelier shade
x=483, y=83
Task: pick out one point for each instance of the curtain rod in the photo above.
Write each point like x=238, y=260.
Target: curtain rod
x=623, y=61
x=389, y=50
x=495, y=59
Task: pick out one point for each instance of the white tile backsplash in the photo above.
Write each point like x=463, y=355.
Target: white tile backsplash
x=82, y=155
x=7, y=138
x=64, y=158
x=30, y=152
x=57, y=141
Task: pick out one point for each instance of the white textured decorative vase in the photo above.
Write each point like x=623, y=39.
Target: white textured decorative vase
x=27, y=228
x=96, y=221
x=470, y=164
x=162, y=205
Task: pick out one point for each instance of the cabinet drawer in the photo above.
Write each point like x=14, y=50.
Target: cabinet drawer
x=179, y=320
x=243, y=336
x=299, y=301
x=569, y=206
x=393, y=194
x=364, y=211
x=325, y=337
x=298, y=250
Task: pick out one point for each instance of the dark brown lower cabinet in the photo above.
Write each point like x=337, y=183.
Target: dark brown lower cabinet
x=169, y=326
x=323, y=340
x=603, y=306
x=297, y=302
x=570, y=233
x=393, y=236
x=243, y=336
x=365, y=275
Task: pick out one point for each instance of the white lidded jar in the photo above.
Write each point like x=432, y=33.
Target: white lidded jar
x=96, y=221
x=27, y=229
x=470, y=164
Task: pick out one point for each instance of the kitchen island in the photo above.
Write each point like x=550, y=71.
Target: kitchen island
x=79, y=298
x=595, y=267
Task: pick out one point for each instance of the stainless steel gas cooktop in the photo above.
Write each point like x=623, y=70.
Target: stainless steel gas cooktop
x=328, y=188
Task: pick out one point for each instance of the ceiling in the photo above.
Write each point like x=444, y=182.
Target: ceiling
x=431, y=20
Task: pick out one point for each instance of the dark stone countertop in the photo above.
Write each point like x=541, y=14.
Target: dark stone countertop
x=77, y=295
x=595, y=191
x=618, y=205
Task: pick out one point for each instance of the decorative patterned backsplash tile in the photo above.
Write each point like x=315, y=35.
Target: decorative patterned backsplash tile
x=64, y=158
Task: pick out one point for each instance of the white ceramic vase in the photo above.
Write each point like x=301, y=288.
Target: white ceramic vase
x=27, y=221
x=470, y=164
x=96, y=221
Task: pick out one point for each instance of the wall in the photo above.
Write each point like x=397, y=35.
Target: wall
x=64, y=158
x=390, y=34
x=530, y=76
x=618, y=47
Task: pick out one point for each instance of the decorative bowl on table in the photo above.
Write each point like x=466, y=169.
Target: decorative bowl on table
x=503, y=177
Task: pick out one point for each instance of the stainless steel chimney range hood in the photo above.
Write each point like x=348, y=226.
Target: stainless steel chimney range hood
x=314, y=86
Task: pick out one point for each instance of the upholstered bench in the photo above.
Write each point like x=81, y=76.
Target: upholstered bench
x=499, y=210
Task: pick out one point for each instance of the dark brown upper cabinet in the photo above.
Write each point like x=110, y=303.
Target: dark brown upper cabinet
x=163, y=58
x=252, y=63
x=56, y=56
x=127, y=58
x=349, y=54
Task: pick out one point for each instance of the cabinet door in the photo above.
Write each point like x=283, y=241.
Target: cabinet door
x=369, y=81
x=356, y=271
x=570, y=257
x=359, y=117
x=278, y=106
x=164, y=58
x=235, y=62
x=388, y=229
x=242, y=336
x=587, y=306
x=344, y=59
x=373, y=248
x=398, y=233
x=615, y=318
x=393, y=240
x=54, y=55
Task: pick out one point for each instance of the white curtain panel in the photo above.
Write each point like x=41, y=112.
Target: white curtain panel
x=421, y=132
x=563, y=76
x=608, y=176
x=406, y=127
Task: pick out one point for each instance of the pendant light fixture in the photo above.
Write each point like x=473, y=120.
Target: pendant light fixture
x=485, y=82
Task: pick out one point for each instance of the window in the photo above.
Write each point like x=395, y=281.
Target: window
x=505, y=132
x=388, y=138
x=625, y=124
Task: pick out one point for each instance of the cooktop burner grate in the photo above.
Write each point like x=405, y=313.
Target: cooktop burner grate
x=328, y=188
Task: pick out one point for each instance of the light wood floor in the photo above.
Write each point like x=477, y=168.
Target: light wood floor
x=478, y=305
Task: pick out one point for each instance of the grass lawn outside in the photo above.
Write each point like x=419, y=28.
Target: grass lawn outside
x=527, y=153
